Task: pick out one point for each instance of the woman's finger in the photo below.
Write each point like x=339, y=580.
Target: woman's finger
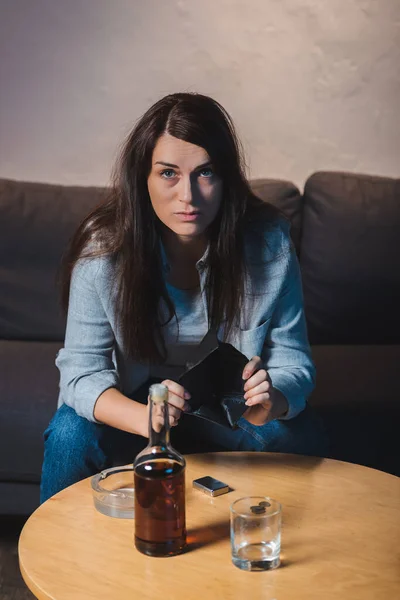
x=256, y=379
x=261, y=388
x=177, y=394
x=176, y=388
x=177, y=402
x=263, y=399
x=173, y=412
x=158, y=422
x=252, y=366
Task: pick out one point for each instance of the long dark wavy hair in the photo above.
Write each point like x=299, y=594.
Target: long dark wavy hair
x=126, y=228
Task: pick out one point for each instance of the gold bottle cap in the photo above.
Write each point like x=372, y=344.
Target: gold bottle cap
x=158, y=393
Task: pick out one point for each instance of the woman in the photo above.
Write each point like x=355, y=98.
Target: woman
x=181, y=246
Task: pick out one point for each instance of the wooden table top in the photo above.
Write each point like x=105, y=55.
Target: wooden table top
x=340, y=537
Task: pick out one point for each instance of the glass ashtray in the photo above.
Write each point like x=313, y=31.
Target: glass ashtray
x=113, y=492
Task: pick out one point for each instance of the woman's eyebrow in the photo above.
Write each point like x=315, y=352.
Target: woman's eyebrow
x=160, y=162
x=208, y=163
x=166, y=164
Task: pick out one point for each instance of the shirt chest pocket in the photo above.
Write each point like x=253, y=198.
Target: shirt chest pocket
x=250, y=341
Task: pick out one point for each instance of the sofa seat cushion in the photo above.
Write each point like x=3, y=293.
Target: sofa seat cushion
x=28, y=399
x=358, y=396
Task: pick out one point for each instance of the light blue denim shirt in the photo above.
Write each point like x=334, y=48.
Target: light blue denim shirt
x=272, y=325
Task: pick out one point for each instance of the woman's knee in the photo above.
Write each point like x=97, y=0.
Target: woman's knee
x=69, y=433
x=72, y=451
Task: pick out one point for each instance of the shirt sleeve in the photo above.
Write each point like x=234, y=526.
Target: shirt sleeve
x=85, y=363
x=286, y=353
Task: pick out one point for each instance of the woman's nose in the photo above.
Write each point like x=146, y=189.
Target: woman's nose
x=185, y=190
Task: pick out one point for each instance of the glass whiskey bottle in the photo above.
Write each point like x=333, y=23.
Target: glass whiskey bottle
x=159, y=474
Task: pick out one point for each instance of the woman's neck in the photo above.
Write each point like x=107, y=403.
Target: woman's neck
x=183, y=254
x=183, y=251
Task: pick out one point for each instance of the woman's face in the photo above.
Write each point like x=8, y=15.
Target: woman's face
x=184, y=190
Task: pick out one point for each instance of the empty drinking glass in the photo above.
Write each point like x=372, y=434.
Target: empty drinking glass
x=256, y=533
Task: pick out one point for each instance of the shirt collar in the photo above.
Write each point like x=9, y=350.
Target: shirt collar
x=201, y=264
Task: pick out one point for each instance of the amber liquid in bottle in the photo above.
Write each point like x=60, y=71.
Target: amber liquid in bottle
x=160, y=527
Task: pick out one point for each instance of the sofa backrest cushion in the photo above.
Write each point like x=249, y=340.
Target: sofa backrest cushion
x=36, y=222
x=285, y=196
x=350, y=258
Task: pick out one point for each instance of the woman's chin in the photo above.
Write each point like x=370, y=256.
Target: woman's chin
x=188, y=230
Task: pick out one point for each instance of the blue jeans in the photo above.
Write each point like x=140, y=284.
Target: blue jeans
x=76, y=448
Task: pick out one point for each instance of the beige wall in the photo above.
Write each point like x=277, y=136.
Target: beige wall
x=311, y=84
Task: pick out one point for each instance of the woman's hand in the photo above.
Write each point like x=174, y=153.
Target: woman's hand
x=264, y=401
x=176, y=405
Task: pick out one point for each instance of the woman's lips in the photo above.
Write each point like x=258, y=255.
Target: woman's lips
x=192, y=216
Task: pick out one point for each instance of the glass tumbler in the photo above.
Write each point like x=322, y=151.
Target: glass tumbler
x=256, y=533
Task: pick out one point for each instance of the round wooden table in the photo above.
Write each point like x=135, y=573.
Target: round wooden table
x=340, y=537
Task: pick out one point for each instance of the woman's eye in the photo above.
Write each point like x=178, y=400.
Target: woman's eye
x=206, y=172
x=167, y=173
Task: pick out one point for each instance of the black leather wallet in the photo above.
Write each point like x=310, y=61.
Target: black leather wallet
x=214, y=380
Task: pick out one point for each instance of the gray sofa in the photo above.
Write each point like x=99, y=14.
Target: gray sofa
x=346, y=229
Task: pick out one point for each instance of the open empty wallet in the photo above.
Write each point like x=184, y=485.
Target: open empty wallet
x=214, y=380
